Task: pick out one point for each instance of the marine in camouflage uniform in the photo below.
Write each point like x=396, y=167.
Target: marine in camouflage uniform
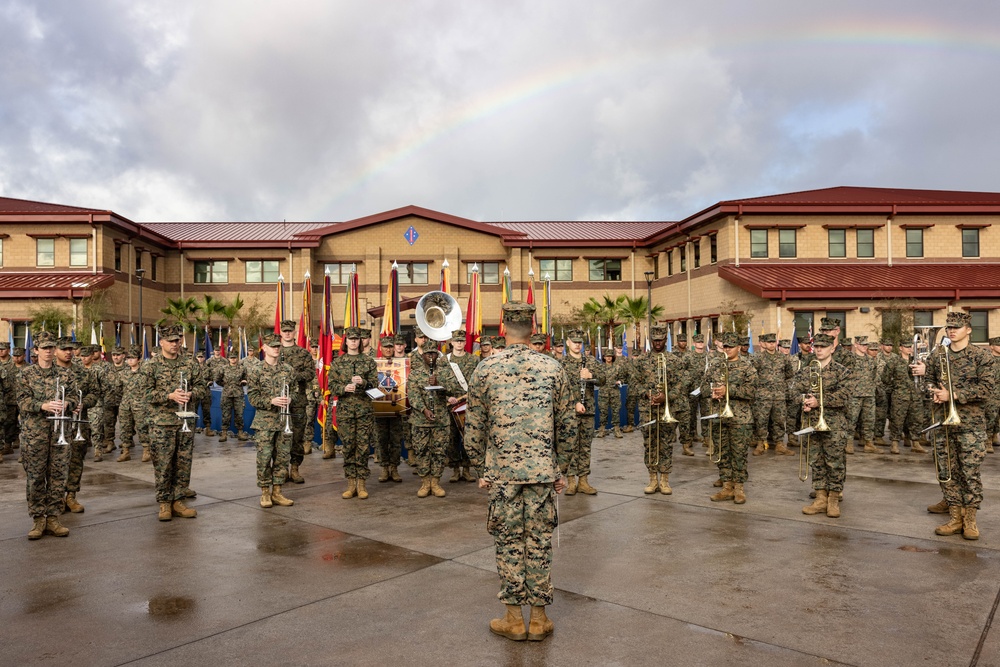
x=265, y=386
x=584, y=373
x=861, y=411
x=658, y=437
x=964, y=379
x=8, y=421
x=162, y=398
x=84, y=381
x=907, y=416
x=631, y=397
x=799, y=360
x=351, y=374
x=695, y=363
x=774, y=371
x=520, y=431
x=95, y=415
x=130, y=410
x=609, y=397
x=882, y=389
x=681, y=408
x=113, y=387
x=232, y=378
x=305, y=369
x=993, y=404
x=828, y=458
x=430, y=416
x=45, y=462
x=390, y=426
x=208, y=370
x=736, y=373
x=457, y=458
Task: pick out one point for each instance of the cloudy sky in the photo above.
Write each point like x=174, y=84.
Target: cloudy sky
x=325, y=110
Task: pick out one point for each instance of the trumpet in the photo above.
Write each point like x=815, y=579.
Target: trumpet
x=61, y=418
x=184, y=413
x=815, y=370
x=79, y=433
x=285, y=410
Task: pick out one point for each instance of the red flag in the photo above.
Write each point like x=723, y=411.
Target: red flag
x=531, y=299
x=473, y=315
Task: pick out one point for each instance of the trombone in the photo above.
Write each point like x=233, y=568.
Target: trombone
x=656, y=419
x=951, y=419
x=725, y=413
x=815, y=370
x=79, y=421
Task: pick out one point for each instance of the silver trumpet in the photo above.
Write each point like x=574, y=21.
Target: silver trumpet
x=286, y=410
x=80, y=421
x=61, y=418
x=184, y=413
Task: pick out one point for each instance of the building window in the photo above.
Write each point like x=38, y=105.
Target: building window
x=152, y=267
x=118, y=257
x=670, y=262
x=138, y=259
x=713, y=245
x=558, y=269
x=914, y=242
x=758, y=243
x=78, y=252
x=264, y=271
x=339, y=273
x=842, y=316
x=866, y=242
x=1, y=252
x=980, y=326
x=489, y=272
x=683, y=254
x=656, y=266
x=45, y=252
x=412, y=273
x=837, y=239
x=212, y=271
x=923, y=318
x=20, y=335
x=786, y=243
x=696, y=246
x=715, y=325
x=804, y=323
x=606, y=269
x=970, y=243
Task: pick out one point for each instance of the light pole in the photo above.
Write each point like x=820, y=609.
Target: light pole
x=649, y=301
x=138, y=276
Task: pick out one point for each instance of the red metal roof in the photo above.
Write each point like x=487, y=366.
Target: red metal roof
x=45, y=285
x=858, y=196
x=585, y=230
x=859, y=281
x=10, y=206
x=232, y=231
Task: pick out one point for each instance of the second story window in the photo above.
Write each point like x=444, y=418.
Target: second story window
x=786, y=243
x=264, y=271
x=78, y=252
x=837, y=242
x=915, y=242
x=45, y=252
x=489, y=273
x=866, y=242
x=558, y=269
x=118, y=257
x=670, y=262
x=339, y=273
x=758, y=243
x=697, y=253
x=683, y=252
x=605, y=269
x=413, y=273
x=713, y=244
x=211, y=271
x=970, y=243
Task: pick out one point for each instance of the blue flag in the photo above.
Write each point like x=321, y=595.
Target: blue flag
x=670, y=340
x=28, y=345
x=624, y=343
x=750, y=336
x=795, y=342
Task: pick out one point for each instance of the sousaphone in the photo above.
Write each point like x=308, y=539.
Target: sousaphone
x=438, y=314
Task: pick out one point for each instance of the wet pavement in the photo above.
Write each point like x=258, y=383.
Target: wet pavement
x=397, y=579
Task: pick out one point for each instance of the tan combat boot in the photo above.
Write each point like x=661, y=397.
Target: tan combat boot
x=849, y=449
x=145, y=454
x=224, y=436
x=686, y=449
x=425, y=487
x=352, y=489
x=955, y=525
x=818, y=505
x=98, y=453
x=394, y=474
x=436, y=488
x=38, y=529
x=717, y=483
x=727, y=493
x=629, y=428
x=72, y=505
x=182, y=510
x=894, y=448
x=916, y=448
x=654, y=483
x=456, y=475
x=599, y=433
x=584, y=486
x=164, y=513
x=328, y=453
x=970, y=530
x=618, y=434
x=941, y=507
x=278, y=499
x=511, y=625
x=782, y=450
x=307, y=448
x=571, y=483
x=209, y=432
x=242, y=436
x=539, y=625
x=293, y=474
x=384, y=475
x=880, y=440
x=759, y=449
x=467, y=475
x=739, y=497
x=125, y=456
x=53, y=527
x=833, y=505
x=664, y=485
x=265, y=497
x=870, y=447
x=362, y=491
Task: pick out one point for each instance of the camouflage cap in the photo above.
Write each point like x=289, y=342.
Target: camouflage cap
x=886, y=341
x=288, y=325
x=993, y=341
x=399, y=339
x=698, y=338
x=518, y=311
x=118, y=349
x=133, y=352
x=829, y=324
x=171, y=333
x=486, y=340
x=354, y=332
x=785, y=342
x=575, y=335
x=861, y=340
x=768, y=338
x=538, y=338
x=822, y=340
x=682, y=337
x=906, y=342
x=657, y=333
x=18, y=352
x=67, y=343
x=44, y=339
x=958, y=319
x=86, y=350
x=558, y=342
x=730, y=339
x=872, y=345
x=201, y=353
x=417, y=333
x=4, y=345
x=499, y=341
x=271, y=339
x=744, y=340
x=429, y=346
x=458, y=334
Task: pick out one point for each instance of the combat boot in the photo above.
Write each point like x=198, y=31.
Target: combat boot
x=833, y=506
x=955, y=525
x=8, y=449
x=870, y=447
x=189, y=492
x=209, y=432
x=571, y=485
x=782, y=450
x=352, y=489
x=384, y=475
x=242, y=436
x=654, y=483
x=467, y=475
x=970, y=530
x=916, y=448
x=599, y=433
x=265, y=497
x=436, y=488
x=328, y=454
x=425, y=487
x=53, y=527
x=849, y=449
x=880, y=440
x=539, y=625
x=665, y=485
x=618, y=434
x=456, y=475
x=717, y=483
x=125, y=456
x=38, y=529
x=739, y=496
x=759, y=449
x=362, y=491
x=145, y=454
x=98, y=453
x=583, y=486
x=307, y=448
x=686, y=449
x=940, y=507
x=72, y=505
x=511, y=625
x=727, y=493
x=894, y=448
x=989, y=445
x=164, y=514
x=224, y=436
x=280, y=500
x=293, y=474
x=394, y=474
x=109, y=446
x=818, y=505
x=182, y=510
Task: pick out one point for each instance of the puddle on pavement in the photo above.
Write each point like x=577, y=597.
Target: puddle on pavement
x=165, y=606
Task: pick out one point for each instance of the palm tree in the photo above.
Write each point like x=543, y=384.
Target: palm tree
x=608, y=313
x=231, y=311
x=637, y=309
x=182, y=311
